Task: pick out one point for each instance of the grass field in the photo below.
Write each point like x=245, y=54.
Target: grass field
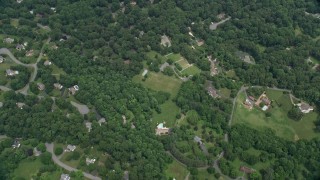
x=225, y=92
x=27, y=168
x=176, y=170
x=183, y=63
x=192, y=70
x=279, y=122
x=169, y=111
x=14, y=22
x=153, y=54
x=160, y=82
x=174, y=57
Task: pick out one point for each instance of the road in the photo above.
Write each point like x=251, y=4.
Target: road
x=66, y=167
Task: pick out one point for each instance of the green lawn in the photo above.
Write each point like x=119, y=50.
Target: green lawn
x=203, y=174
x=183, y=63
x=176, y=170
x=225, y=92
x=174, y=57
x=169, y=110
x=192, y=70
x=160, y=82
x=14, y=22
x=231, y=74
x=27, y=168
x=153, y=54
x=279, y=122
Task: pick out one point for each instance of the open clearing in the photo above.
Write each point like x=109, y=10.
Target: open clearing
x=279, y=122
x=174, y=57
x=169, y=110
x=27, y=168
x=192, y=70
x=183, y=63
x=176, y=170
x=160, y=82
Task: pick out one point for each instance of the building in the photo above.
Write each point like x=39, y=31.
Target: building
x=197, y=140
x=101, y=121
x=41, y=86
x=10, y=72
x=16, y=144
x=264, y=108
x=29, y=53
x=8, y=40
x=64, y=177
x=200, y=42
x=19, y=1
x=73, y=89
x=20, y=47
x=53, y=9
x=70, y=148
x=266, y=100
x=88, y=126
x=212, y=92
x=248, y=104
x=47, y=63
x=161, y=130
x=2, y=59
x=36, y=152
x=20, y=105
x=305, y=108
x=57, y=86
x=144, y=72
x=90, y=161
x=246, y=170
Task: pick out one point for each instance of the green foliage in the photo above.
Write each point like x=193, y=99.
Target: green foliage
x=58, y=151
x=193, y=117
x=295, y=114
x=45, y=158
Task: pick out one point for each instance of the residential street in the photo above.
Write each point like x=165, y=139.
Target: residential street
x=68, y=168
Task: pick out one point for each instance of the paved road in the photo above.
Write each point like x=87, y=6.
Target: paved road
x=24, y=90
x=68, y=168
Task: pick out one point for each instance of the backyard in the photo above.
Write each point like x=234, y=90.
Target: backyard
x=176, y=170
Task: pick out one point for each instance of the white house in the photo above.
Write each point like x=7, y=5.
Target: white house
x=305, y=108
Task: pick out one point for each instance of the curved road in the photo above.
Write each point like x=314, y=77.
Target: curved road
x=24, y=90
x=68, y=168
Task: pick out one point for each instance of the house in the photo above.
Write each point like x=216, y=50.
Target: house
x=197, y=140
x=55, y=47
x=70, y=148
x=20, y=47
x=16, y=144
x=29, y=53
x=200, y=42
x=305, y=108
x=133, y=126
x=252, y=98
x=133, y=3
x=124, y=119
x=20, y=105
x=265, y=107
x=36, y=152
x=19, y=1
x=31, y=12
x=248, y=104
x=144, y=72
x=102, y=120
x=57, y=86
x=47, y=63
x=165, y=41
x=266, y=100
x=246, y=170
x=2, y=59
x=90, y=161
x=40, y=86
x=8, y=40
x=10, y=72
x=53, y=9
x=212, y=92
x=73, y=89
x=161, y=130
x=88, y=126
x=64, y=177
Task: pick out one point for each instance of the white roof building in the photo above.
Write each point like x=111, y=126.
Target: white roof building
x=64, y=177
x=70, y=148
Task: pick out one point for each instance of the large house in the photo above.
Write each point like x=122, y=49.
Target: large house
x=64, y=177
x=10, y=72
x=20, y=105
x=212, y=92
x=2, y=59
x=8, y=40
x=161, y=130
x=74, y=89
x=305, y=108
x=70, y=148
x=47, y=63
x=40, y=86
x=90, y=161
x=57, y=86
x=20, y=47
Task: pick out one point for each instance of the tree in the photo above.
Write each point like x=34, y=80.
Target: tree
x=45, y=158
x=295, y=114
x=41, y=147
x=193, y=117
x=58, y=151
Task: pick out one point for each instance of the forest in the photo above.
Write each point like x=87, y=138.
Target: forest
x=103, y=44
